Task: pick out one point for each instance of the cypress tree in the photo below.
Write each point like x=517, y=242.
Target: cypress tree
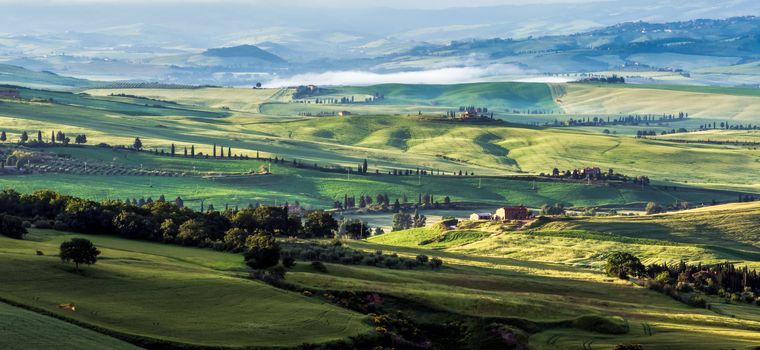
x=192, y=151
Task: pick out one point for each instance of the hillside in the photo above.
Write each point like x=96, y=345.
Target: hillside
x=245, y=51
x=14, y=75
x=168, y=293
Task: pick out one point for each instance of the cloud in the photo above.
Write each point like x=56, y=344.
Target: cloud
x=450, y=75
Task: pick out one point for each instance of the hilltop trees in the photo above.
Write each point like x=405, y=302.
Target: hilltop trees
x=79, y=251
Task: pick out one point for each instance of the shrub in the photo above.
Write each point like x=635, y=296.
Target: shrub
x=12, y=226
x=436, y=263
x=697, y=301
x=288, y=262
x=422, y=259
x=319, y=266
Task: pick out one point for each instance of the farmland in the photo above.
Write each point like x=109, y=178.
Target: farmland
x=543, y=283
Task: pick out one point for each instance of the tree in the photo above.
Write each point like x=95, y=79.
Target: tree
x=263, y=251
x=11, y=226
x=79, y=251
x=354, y=228
x=364, y=167
x=418, y=220
x=24, y=137
x=319, y=224
x=192, y=232
x=60, y=136
x=235, y=238
x=401, y=221
x=172, y=150
x=137, y=144
x=80, y=139
x=622, y=265
x=654, y=208
x=3, y=136
x=39, y=136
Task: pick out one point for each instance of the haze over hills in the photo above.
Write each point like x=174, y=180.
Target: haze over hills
x=142, y=42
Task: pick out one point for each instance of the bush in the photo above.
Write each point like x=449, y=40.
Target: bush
x=12, y=226
x=44, y=224
x=436, y=263
x=319, y=266
x=697, y=301
x=288, y=262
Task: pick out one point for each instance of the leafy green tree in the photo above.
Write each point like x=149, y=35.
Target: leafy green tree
x=623, y=264
x=24, y=137
x=137, y=144
x=263, y=251
x=235, y=238
x=134, y=226
x=79, y=251
x=192, y=232
x=60, y=136
x=3, y=136
x=401, y=221
x=80, y=139
x=11, y=226
x=319, y=224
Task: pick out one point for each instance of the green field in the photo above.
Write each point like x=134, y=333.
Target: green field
x=545, y=279
x=170, y=293
x=23, y=329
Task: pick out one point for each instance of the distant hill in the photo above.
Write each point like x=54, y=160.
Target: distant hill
x=244, y=51
x=677, y=45
x=14, y=75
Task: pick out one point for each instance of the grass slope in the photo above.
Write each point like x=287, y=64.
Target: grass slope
x=166, y=292
x=22, y=329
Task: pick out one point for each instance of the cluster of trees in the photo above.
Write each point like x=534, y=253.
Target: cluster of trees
x=190, y=152
x=631, y=119
x=336, y=252
x=644, y=133
x=725, y=280
x=684, y=282
x=614, y=79
x=404, y=221
x=556, y=209
x=382, y=202
x=55, y=138
x=728, y=126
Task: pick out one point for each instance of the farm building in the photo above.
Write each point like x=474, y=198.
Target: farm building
x=512, y=213
x=480, y=216
x=344, y=113
x=9, y=93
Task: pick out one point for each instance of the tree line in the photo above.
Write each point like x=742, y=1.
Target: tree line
x=56, y=138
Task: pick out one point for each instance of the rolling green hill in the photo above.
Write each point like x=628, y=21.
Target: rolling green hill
x=14, y=75
x=22, y=329
x=168, y=293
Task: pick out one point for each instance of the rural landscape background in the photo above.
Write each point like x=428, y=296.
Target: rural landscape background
x=499, y=174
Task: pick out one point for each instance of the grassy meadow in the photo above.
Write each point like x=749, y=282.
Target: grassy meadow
x=548, y=277
x=170, y=293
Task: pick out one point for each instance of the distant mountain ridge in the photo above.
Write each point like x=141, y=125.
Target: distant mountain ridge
x=244, y=51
